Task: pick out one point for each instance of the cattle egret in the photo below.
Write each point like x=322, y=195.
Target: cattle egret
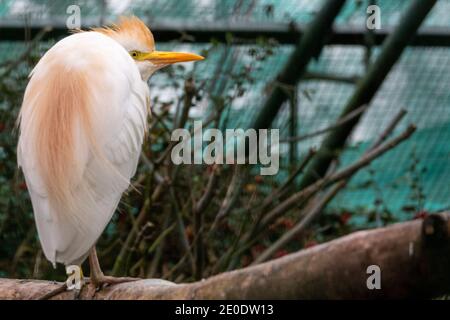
x=82, y=125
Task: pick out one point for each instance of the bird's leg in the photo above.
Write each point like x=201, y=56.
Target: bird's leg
x=97, y=278
x=94, y=265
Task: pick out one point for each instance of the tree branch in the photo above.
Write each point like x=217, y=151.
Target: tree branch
x=414, y=258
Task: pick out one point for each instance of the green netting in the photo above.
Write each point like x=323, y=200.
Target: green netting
x=301, y=11
x=414, y=175
x=419, y=84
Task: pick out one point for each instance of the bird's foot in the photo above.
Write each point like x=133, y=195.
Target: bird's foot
x=98, y=279
x=99, y=282
x=105, y=280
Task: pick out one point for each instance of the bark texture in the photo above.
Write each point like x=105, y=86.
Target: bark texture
x=414, y=258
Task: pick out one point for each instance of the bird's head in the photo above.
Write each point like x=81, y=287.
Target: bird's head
x=138, y=40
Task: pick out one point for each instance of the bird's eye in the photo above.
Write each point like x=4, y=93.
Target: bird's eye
x=134, y=54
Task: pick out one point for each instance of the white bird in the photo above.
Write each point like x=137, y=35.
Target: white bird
x=82, y=125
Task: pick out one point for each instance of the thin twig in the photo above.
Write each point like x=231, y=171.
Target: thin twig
x=352, y=115
x=305, y=194
x=231, y=196
x=342, y=174
x=159, y=250
x=317, y=209
x=207, y=196
x=300, y=227
x=11, y=65
x=330, y=77
x=389, y=129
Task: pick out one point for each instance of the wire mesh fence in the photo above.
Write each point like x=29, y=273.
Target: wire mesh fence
x=418, y=83
x=412, y=178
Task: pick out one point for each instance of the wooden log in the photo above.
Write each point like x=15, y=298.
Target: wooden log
x=414, y=259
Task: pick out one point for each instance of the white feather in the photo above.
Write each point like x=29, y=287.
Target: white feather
x=119, y=121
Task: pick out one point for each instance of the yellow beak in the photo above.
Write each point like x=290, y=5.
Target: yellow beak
x=163, y=57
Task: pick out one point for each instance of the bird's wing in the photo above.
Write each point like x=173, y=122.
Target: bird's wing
x=106, y=158
x=105, y=181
